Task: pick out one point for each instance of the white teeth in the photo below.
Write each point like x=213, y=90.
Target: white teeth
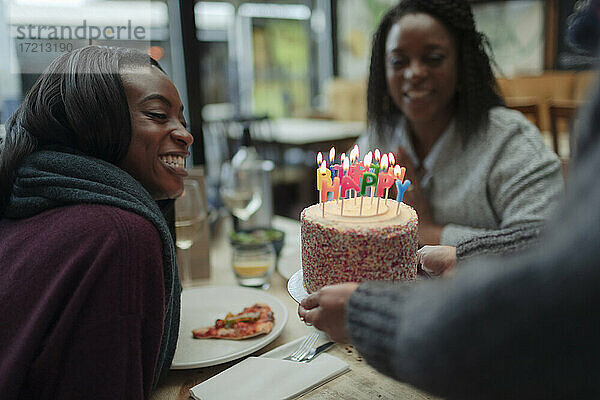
x=415, y=94
x=173, y=161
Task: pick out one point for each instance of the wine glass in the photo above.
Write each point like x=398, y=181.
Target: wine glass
x=190, y=217
x=240, y=192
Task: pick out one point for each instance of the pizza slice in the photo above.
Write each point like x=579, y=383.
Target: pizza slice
x=252, y=321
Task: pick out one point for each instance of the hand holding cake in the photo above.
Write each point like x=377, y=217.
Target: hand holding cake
x=326, y=309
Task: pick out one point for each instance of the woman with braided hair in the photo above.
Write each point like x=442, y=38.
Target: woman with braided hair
x=477, y=168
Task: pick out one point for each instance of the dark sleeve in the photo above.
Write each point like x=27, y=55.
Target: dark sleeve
x=500, y=242
x=518, y=327
x=114, y=345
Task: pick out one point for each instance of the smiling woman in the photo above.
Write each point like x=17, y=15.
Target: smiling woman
x=87, y=257
x=159, y=139
x=477, y=168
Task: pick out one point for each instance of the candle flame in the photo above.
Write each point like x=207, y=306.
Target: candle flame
x=353, y=154
x=357, y=151
x=391, y=158
x=384, y=162
x=343, y=157
x=367, y=160
x=399, y=172
x=319, y=158
x=323, y=168
x=346, y=164
x=332, y=154
x=377, y=155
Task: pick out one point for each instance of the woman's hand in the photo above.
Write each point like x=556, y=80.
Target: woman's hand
x=429, y=232
x=326, y=308
x=437, y=260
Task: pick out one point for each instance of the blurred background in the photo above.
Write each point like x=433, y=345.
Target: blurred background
x=274, y=82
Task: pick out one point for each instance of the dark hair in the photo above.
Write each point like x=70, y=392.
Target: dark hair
x=78, y=103
x=478, y=87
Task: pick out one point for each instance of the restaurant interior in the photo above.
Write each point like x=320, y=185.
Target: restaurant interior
x=294, y=72
x=266, y=85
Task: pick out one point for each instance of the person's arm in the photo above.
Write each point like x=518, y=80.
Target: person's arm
x=500, y=242
x=518, y=327
x=438, y=260
x=524, y=185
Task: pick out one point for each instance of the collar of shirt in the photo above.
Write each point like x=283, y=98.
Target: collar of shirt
x=402, y=139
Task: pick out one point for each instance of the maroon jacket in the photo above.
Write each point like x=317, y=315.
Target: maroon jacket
x=81, y=304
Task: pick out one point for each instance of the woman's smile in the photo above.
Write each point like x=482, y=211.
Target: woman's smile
x=421, y=71
x=174, y=163
x=159, y=137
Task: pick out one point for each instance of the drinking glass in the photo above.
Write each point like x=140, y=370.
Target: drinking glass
x=253, y=264
x=190, y=217
x=240, y=192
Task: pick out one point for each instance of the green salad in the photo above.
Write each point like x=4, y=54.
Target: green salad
x=256, y=237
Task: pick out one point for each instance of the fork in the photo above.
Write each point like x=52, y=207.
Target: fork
x=304, y=348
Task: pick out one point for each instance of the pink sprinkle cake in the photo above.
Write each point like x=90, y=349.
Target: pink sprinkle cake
x=375, y=244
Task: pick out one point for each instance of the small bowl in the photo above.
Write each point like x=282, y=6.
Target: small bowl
x=258, y=236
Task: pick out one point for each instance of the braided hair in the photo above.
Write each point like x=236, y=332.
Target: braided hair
x=478, y=87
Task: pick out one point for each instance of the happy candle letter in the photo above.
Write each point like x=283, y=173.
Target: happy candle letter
x=327, y=187
x=401, y=186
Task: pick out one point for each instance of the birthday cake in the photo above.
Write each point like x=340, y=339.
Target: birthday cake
x=354, y=243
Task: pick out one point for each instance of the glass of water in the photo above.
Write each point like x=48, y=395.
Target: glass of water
x=190, y=217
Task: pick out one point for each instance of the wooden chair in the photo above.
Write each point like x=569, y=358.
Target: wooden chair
x=561, y=110
x=528, y=106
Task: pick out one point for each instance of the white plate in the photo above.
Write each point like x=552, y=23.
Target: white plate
x=201, y=306
x=295, y=286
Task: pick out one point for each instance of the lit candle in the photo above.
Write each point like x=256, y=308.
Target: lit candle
x=385, y=180
x=356, y=171
x=353, y=157
x=346, y=165
x=399, y=172
x=347, y=182
x=368, y=179
x=323, y=174
x=401, y=186
x=391, y=159
x=331, y=159
x=375, y=171
x=338, y=168
x=327, y=186
x=319, y=161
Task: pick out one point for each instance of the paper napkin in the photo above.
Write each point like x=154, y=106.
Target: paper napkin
x=270, y=378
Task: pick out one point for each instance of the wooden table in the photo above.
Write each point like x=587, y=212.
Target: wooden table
x=361, y=382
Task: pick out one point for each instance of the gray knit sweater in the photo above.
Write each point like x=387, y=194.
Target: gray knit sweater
x=524, y=326
x=504, y=176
